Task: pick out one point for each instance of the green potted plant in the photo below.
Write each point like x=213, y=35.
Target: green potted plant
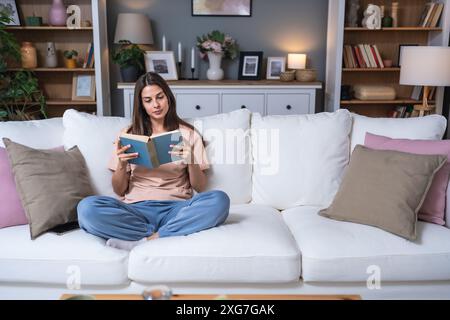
x=71, y=58
x=20, y=96
x=130, y=59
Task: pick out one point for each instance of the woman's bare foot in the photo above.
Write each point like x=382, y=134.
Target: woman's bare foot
x=153, y=236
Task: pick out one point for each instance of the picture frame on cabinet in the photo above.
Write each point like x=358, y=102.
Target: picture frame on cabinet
x=250, y=63
x=275, y=66
x=83, y=87
x=224, y=8
x=161, y=62
x=10, y=6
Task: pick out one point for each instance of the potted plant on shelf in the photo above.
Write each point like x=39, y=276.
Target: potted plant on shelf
x=130, y=59
x=71, y=58
x=20, y=96
x=216, y=45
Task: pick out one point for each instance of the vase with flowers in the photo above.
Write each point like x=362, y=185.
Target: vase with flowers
x=215, y=46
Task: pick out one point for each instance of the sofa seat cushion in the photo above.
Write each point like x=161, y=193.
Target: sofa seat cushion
x=343, y=251
x=252, y=246
x=62, y=260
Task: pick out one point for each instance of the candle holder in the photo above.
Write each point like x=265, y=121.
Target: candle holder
x=192, y=72
x=180, y=71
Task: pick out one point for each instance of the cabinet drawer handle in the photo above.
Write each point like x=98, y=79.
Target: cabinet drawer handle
x=197, y=107
x=243, y=107
x=288, y=107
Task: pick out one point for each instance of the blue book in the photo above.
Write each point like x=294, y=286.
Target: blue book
x=152, y=151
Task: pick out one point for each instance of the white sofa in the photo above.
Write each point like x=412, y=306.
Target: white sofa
x=279, y=171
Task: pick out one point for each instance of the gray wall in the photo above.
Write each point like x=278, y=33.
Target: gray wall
x=275, y=27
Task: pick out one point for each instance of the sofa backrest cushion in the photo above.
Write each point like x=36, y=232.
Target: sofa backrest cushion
x=50, y=184
x=425, y=128
x=227, y=142
x=433, y=207
x=11, y=209
x=299, y=160
x=39, y=134
x=94, y=136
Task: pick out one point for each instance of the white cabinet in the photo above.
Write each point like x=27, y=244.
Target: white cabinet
x=288, y=103
x=204, y=98
x=233, y=101
x=190, y=105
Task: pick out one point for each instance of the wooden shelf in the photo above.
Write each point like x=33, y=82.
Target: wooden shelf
x=371, y=69
x=393, y=29
x=55, y=69
x=64, y=102
x=381, y=102
x=49, y=28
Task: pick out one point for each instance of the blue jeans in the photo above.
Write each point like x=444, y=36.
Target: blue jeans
x=108, y=217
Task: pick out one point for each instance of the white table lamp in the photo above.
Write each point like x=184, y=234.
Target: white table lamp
x=134, y=27
x=296, y=61
x=425, y=66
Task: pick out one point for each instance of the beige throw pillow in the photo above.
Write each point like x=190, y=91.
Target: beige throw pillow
x=384, y=189
x=50, y=184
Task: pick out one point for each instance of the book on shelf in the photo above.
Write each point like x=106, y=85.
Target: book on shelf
x=402, y=112
x=416, y=92
x=88, y=50
x=426, y=13
x=434, y=21
x=362, y=56
x=89, y=58
x=152, y=151
x=431, y=14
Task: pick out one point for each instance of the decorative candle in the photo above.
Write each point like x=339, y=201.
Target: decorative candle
x=164, y=43
x=192, y=58
x=179, y=52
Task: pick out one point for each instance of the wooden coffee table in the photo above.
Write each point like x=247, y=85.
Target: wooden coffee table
x=225, y=297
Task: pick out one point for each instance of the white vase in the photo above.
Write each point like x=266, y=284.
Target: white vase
x=51, y=61
x=214, y=72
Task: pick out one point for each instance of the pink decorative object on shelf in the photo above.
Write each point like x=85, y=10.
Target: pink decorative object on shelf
x=57, y=15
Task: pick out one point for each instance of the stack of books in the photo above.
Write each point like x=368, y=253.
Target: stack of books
x=431, y=14
x=89, y=57
x=362, y=56
x=403, y=112
x=417, y=93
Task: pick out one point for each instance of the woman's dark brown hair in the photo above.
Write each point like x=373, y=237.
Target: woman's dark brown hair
x=141, y=120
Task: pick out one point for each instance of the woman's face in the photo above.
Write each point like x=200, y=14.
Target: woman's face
x=155, y=102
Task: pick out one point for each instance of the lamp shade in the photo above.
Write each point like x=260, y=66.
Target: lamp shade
x=296, y=61
x=134, y=27
x=425, y=66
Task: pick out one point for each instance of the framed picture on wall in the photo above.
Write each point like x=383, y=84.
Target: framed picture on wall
x=250, y=63
x=222, y=8
x=275, y=66
x=83, y=87
x=161, y=62
x=10, y=8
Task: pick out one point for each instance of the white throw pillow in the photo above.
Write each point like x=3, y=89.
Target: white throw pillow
x=426, y=128
x=94, y=136
x=227, y=141
x=39, y=134
x=299, y=160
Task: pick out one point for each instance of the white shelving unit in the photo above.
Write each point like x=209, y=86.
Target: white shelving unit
x=336, y=40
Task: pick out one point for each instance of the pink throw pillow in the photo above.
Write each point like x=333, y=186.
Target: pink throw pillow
x=433, y=208
x=11, y=209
